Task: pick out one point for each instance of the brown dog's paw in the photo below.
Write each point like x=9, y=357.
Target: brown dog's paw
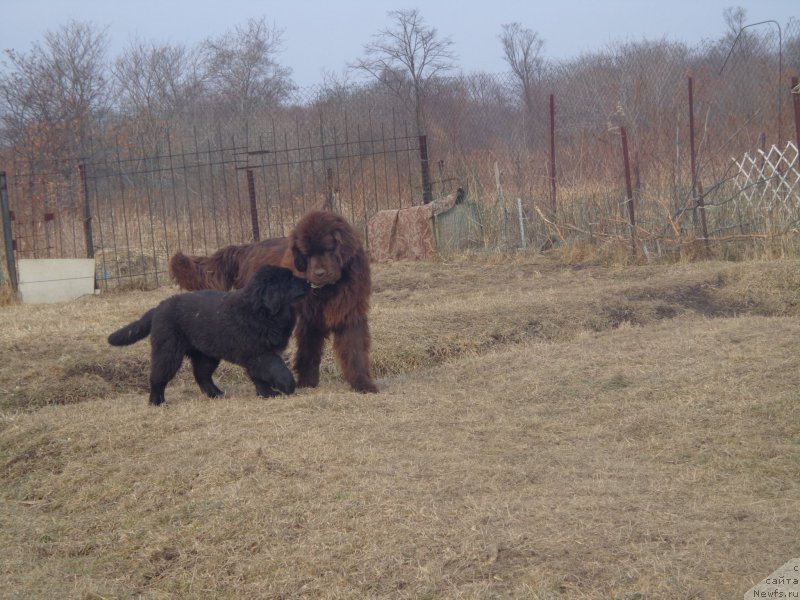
x=365, y=387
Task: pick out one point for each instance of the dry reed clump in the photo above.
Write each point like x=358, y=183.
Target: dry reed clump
x=610, y=252
x=591, y=222
x=7, y=295
x=542, y=432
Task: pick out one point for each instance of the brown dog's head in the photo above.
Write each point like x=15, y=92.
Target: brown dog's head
x=323, y=246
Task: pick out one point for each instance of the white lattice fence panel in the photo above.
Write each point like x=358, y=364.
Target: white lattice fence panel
x=769, y=183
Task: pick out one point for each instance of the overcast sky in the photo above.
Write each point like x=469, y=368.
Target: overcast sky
x=324, y=36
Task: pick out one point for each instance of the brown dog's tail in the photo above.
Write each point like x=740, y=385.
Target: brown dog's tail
x=133, y=332
x=215, y=272
x=187, y=272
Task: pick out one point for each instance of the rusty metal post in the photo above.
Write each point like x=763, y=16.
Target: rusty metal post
x=427, y=194
x=553, y=154
x=87, y=213
x=692, y=156
x=5, y=213
x=796, y=103
x=251, y=193
x=628, y=186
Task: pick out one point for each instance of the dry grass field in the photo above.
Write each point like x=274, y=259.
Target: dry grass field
x=543, y=432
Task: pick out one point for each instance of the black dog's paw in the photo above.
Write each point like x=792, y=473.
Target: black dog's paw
x=266, y=392
x=285, y=385
x=275, y=388
x=156, y=399
x=211, y=390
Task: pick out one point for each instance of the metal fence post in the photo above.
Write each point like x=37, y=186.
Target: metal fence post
x=427, y=194
x=5, y=212
x=87, y=213
x=698, y=198
x=523, y=241
x=628, y=186
x=553, y=154
x=251, y=193
x=796, y=103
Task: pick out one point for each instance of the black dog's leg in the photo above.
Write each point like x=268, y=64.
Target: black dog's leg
x=310, y=341
x=203, y=367
x=271, y=375
x=166, y=358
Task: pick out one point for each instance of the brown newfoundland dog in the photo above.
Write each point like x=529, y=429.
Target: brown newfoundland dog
x=324, y=249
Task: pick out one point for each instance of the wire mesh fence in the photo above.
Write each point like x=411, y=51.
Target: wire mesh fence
x=132, y=212
x=548, y=160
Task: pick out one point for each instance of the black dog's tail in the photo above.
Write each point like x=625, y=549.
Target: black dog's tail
x=133, y=332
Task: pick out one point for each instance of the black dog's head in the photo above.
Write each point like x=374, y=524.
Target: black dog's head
x=275, y=289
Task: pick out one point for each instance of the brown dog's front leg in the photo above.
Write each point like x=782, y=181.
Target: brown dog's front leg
x=351, y=346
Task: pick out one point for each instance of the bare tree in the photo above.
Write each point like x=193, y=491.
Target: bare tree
x=155, y=78
x=52, y=95
x=242, y=68
x=738, y=40
x=406, y=57
x=735, y=18
x=522, y=50
x=155, y=84
x=407, y=54
x=741, y=42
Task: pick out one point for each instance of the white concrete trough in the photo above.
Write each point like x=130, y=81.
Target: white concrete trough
x=44, y=280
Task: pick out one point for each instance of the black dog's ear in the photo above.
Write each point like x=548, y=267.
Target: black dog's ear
x=300, y=261
x=264, y=290
x=271, y=299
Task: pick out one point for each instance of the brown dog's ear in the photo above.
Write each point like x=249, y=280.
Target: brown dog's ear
x=345, y=246
x=300, y=261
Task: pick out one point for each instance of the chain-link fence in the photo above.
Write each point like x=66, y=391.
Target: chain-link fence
x=565, y=159
x=548, y=160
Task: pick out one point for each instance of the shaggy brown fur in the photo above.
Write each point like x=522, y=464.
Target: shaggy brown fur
x=325, y=249
x=216, y=272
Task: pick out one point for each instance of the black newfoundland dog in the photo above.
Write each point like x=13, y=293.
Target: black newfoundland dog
x=249, y=327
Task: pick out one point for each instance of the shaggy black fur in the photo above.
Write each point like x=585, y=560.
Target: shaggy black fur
x=249, y=327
